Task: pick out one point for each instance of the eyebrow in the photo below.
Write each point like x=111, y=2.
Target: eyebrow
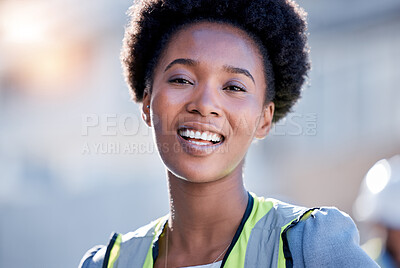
x=236, y=70
x=227, y=68
x=188, y=62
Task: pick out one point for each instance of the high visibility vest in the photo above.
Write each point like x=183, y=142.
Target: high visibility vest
x=261, y=241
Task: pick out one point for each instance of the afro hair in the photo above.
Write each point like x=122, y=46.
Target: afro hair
x=278, y=27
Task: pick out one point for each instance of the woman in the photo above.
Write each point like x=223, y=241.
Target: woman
x=212, y=76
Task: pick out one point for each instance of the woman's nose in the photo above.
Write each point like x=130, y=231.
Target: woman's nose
x=205, y=101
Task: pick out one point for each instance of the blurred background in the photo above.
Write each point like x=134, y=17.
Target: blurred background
x=77, y=162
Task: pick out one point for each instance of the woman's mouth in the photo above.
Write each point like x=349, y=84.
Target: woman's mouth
x=202, y=138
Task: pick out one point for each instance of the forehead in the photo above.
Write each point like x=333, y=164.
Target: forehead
x=215, y=43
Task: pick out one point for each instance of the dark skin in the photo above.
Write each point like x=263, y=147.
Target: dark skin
x=209, y=79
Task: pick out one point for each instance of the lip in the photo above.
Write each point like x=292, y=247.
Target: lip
x=195, y=149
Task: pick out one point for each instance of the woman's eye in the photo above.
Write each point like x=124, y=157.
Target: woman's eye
x=180, y=81
x=235, y=88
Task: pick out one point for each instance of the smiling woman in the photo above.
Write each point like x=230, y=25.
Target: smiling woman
x=212, y=76
x=207, y=73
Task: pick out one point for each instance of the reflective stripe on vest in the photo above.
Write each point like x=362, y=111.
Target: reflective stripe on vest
x=113, y=250
x=262, y=242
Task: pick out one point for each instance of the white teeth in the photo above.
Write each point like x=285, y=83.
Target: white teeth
x=215, y=137
x=206, y=136
x=197, y=135
x=198, y=142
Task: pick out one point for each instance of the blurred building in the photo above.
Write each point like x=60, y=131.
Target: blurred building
x=76, y=159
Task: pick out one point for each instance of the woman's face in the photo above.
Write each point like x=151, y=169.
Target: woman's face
x=207, y=101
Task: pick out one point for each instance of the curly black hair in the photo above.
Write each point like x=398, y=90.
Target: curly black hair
x=278, y=27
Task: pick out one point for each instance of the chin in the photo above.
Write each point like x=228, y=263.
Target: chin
x=200, y=172
x=194, y=175
x=197, y=165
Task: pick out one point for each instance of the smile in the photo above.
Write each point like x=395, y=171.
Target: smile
x=202, y=138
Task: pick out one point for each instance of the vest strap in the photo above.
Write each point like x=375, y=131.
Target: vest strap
x=112, y=252
x=286, y=249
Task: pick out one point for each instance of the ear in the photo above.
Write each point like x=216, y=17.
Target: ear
x=146, y=108
x=265, y=122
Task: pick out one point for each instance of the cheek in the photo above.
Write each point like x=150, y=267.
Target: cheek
x=244, y=121
x=164, y=108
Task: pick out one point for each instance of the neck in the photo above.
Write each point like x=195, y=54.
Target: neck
x=205, y=214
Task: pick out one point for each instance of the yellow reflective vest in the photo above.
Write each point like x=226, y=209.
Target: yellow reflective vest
x=271, y=234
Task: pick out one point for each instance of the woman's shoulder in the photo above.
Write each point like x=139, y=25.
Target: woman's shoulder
x=321, y=223
x=136, y=241
x=272, y=213
x=301, y=220
x=93, y=258
x=313, y=237
x=326, y=237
